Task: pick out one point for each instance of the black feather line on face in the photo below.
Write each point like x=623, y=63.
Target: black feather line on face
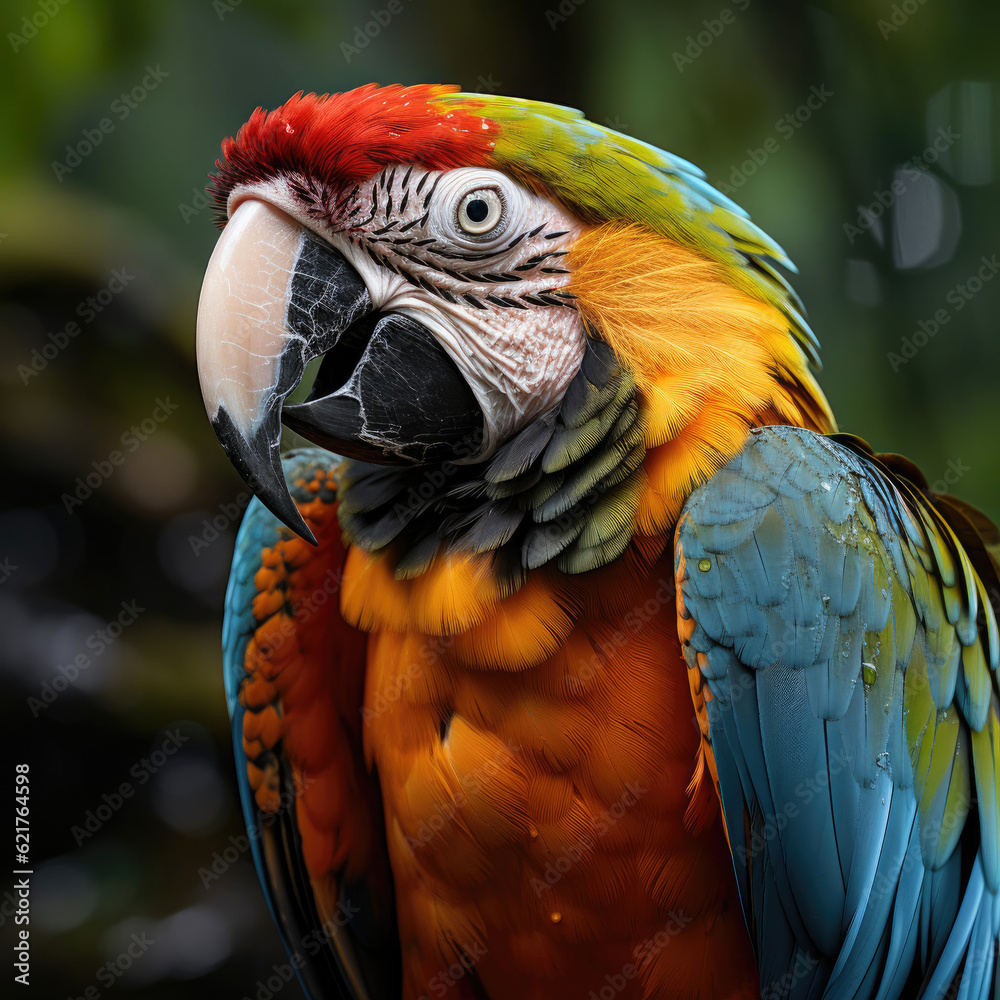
x=565, y=489
x=320, y=203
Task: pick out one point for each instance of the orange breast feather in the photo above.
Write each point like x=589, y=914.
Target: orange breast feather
x=302, y=729
x=535, y=753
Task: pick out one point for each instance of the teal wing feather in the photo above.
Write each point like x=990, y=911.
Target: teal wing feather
x=849, y=649
x=331, y=964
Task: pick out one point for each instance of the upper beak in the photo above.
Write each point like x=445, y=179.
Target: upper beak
x=274, y=297
x=249, y=360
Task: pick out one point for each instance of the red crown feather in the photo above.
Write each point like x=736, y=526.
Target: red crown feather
x=350, y=136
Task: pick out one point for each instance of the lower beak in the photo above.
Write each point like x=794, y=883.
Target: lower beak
x=274, y=297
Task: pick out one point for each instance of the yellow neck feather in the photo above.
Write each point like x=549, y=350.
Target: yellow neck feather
x=710, y=360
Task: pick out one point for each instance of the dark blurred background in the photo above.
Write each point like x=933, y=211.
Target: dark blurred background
x=861, y=135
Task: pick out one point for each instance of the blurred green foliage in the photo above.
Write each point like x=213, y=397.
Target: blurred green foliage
x=111, y=119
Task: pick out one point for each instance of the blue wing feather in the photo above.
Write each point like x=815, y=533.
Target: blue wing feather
x=330, y=964
x=258, y=530
x=851, y=693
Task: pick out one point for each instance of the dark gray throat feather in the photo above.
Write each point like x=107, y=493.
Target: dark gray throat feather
x=565, y=488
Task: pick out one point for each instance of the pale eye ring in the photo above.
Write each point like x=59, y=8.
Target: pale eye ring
x=481, y=211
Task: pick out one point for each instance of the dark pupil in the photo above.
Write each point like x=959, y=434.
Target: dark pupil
x=477, y=210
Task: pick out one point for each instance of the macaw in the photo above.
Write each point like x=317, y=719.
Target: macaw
x=580, y=656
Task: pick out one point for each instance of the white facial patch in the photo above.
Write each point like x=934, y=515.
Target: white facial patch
x=241, y=312
x=474, y=257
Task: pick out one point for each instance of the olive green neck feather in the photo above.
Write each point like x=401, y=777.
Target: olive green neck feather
x=565, y=488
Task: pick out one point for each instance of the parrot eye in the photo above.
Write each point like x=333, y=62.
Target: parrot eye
x=481, y=211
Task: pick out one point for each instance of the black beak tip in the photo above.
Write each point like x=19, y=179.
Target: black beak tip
x=258, y=461
x=286, y=512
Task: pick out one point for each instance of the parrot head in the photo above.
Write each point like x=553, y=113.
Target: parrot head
x=524, y=320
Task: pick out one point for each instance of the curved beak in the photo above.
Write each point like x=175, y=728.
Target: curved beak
x=249, y=356
x=274, y=297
